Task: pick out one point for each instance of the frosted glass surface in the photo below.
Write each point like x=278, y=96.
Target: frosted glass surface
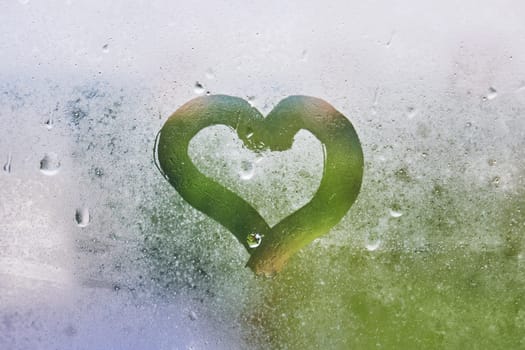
x=98, y=251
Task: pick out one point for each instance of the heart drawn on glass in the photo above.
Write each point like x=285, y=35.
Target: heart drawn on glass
x=269, y=247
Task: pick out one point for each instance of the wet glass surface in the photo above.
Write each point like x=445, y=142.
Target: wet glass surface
x=97, y=250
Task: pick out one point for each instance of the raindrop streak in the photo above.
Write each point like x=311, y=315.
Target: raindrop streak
x=199, y=88
x=50, y=165
x=7, y=165
x=254, y=240
x=247, y=170
x=373, y=110
x=82, y=217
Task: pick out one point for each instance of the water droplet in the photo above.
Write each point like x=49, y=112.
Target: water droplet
x=437, y=190
x=411, y=112
x=372, y=244
x=199, y=88
x=492, y=162
x=254, y=240
x=395, y=213
x=105, y=48
x=99, y=172
x=251, y=100
x=304, y=56
x=495, y=180
x=247, y=170
x=389, y=42
x=492, y=94
x=49, y=123
x=259, y=158
x=210, y=74
x=468, y=124
x=192, y=315
x=7, y=164
x=82, y=217
x=402, y=174
x=50, y=164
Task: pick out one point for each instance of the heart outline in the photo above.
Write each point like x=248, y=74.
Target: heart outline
x=338, y=190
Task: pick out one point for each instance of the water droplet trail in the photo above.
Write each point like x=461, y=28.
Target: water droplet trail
x=7, y=165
